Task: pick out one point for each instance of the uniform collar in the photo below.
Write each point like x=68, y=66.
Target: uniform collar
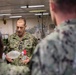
x=24, y=37
x=71, y=21
x=67, y=22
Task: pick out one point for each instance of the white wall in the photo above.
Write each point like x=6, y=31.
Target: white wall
x=10, y=26
x=6, y=28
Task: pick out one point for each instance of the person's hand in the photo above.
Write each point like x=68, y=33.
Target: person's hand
x=9, y=59
x=27, y=60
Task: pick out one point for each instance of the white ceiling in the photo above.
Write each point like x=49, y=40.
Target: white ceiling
x=13, y=7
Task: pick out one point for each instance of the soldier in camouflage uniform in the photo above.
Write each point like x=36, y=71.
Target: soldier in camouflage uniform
x=28, y=43
x=56, y=54
x=20, y=41
x=8, y=69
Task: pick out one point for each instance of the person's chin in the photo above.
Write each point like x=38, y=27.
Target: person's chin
x=20, y=35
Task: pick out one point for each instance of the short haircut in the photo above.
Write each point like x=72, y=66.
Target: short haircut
x=66, y=5
x=23, y=20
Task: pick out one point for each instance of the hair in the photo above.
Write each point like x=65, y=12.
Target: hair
x=66, y=5
x=1, y=46
x=23, y=20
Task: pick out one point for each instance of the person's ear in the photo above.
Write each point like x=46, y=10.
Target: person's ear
x=53, y=7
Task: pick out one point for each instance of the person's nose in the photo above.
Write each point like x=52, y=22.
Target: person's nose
x=19, y=29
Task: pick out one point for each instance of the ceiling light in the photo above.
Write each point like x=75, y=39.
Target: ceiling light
x=15, y=16
x=32, y=6
x=45, y=13
x=23, y=6
x=5, y=14
x=36, y=6
x=37, y=11
x=42, y=14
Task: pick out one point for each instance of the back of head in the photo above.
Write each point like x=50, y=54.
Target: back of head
x=66, y=5
x=1, y=46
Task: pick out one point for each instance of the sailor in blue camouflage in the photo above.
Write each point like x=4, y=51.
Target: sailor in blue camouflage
x=55, y=54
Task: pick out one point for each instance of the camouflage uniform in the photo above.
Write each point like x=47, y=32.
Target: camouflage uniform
x=28, y=42
x=55, y=55
x=8, y=69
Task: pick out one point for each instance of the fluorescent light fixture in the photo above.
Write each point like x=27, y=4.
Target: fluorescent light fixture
x=45, y=13
x=5, y=14
x=38, y=14
x=32, y=6
x=15, y=16
x=36, y=6
x=23, y=6
x=37, y=11
x=42, y=14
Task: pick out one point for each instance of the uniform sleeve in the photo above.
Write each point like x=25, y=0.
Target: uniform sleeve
x=35, y=63
x=35, y=42
x=32, y=45
x=42, y=61
x=7, y=48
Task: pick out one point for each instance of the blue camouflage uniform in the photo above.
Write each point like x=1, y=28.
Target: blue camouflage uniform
x=55, y=55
